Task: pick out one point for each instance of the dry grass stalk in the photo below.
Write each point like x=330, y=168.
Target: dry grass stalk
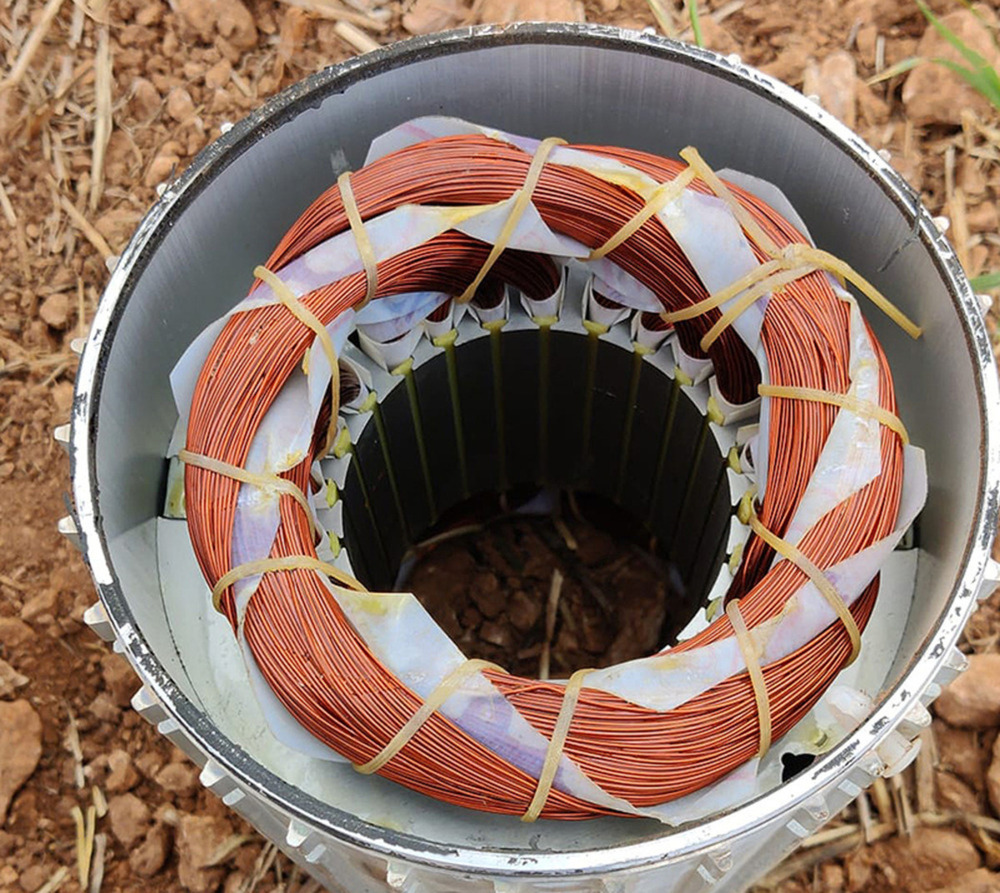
x=260, y=869
x=551, y=612
x=73, y=744
x=97, y=864
x=883, y=800
x=102, y=114
x=329, y=9
x=924, y=772
x=356, y=38
x=31, y=45
x=865, y=816
x=86, y=228
x=229, y=846
x=901, y=798
x=665, y=17
x=54, y=882
x=23, y=256
x=100, y=801
x=805, y=862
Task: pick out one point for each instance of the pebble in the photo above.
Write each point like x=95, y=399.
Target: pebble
x=122, y=775
x=972, y=701
x=146, y=99
x=178, y=778
x=129, y=818
x=148, y=858
x=955, y=794
x=180, y=105
x=982, y=880
x=55, y=310
x=14, y=632
x=931, y=857
x=835, y=82
x=993, y=778
x=530, y=11
x=487, y=595
x=10, y=680
x=933, y=93
x=117, y=225
x=218, y=75
x=119, y=678
x=230, y=19
x=428, y=16
x=45, y=601
x=198, y=840
x=523, y=611
x=161, y=169
x=20, y=748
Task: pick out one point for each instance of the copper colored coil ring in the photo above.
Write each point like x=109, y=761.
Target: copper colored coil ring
x=313, y=658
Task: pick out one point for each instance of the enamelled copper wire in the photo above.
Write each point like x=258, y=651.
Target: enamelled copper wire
x=310, y=654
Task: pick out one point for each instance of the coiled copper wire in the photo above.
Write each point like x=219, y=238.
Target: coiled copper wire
x=311, y=656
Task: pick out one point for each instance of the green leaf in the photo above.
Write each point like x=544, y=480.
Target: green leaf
x=986, y=281
x=901, y=67
x=692, y=6
x=980, y=74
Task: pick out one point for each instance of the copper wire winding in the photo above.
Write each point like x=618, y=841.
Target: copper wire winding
x=310, y=654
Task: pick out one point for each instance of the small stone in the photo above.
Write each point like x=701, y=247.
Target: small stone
x=831, y=877
x=8, y=876
x=982, y=880
x=972, y=701
x=522, y=611
x=20, y=748
x=959, y=753
x=145, y=100
x=119, y=678
x=148, y=858
x=230, y=19
x=835, y=82
x=496, y=634
x=178, y=778
x=218, y=75
x=487, y=595
x=129, y=818
x=14, y=632
x=162, y=168
x=62, y=397
x=955, y=794
x=10, y=680
x=931, y=857
x=55, y=310
x=104, y=708
x=428, y=16
x=121, y=773
x=934, y=93
x=530, y=11
x=198, y=840
x=180, y=105
x=42, y=603
x=118, y=225
x=34, y=876
x=993, y=778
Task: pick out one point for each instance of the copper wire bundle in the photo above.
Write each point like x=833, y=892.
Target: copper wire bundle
x=311, y=656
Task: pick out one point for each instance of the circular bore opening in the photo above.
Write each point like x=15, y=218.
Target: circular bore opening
x=597, y=464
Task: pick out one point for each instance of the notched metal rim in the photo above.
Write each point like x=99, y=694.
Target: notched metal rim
x=672, y=845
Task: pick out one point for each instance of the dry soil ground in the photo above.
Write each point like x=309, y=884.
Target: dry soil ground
x=101, y=103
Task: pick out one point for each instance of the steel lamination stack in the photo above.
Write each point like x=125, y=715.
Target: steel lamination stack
x=188, y=265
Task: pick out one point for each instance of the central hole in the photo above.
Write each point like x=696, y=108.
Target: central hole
x=557, y=582
x=602, y=469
